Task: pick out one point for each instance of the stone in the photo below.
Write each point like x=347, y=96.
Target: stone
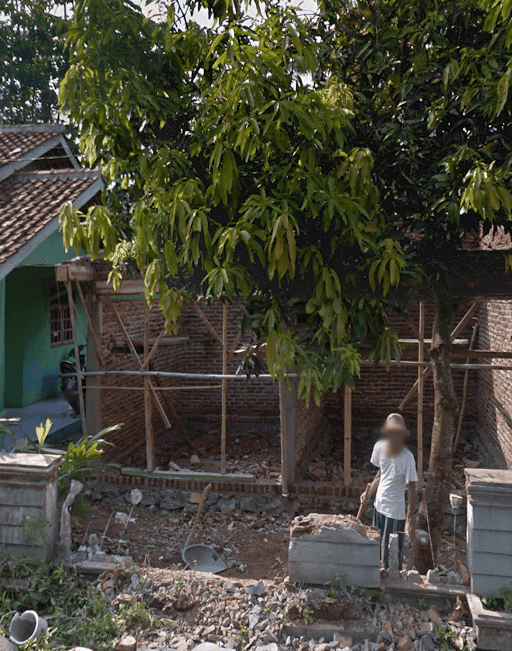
x=251, y=505
x=195, y=498
x=268, y=647
x=207, y=646
x=427, y=643
x=404, y=643
x=322, y=647
x=174, y=466
x=225, y=504
x=135, y=496
x=127, y=643
x=257, y=589
x=343, y=640
x=435, y=616
x=434, y=577
x=170, y=505
x=464, y=572
x=121, y=518
x=194, y=460
x=413, y=576
x=454, y=578
x=6, y=644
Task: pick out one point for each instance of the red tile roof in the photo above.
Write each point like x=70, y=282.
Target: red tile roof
x=29, y=202
x=17, y=144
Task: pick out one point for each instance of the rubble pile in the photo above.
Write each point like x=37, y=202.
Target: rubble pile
x=191, y=608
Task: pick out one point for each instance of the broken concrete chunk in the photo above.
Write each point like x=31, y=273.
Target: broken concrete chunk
x=454, y=578
x=251, y=505
x=258, y=589
x=207, y=646
x=411, y=575
x=127, y=643
x=121, y=518
x=174, y=466
x=135, y=496
x=434, y=577
x=435, y=616
x=194, y=460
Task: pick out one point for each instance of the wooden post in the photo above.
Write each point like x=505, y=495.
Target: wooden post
x=288, y=417
x=150, y=451
x=421, y=381
x=464, y=392
x=347, y=426
x=92, y=328
x=94, y=363
x=69, y=290
x=224, y=387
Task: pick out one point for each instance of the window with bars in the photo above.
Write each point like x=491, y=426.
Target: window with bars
x=61, y=331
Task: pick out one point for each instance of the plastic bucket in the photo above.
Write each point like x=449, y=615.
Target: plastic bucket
x=27, y=626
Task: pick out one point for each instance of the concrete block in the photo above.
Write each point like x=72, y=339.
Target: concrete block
x=494, y=630
x=489, y=530
x=326, y=546
x=28, y=497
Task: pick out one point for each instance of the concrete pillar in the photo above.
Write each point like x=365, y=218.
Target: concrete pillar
x=29, y=522
x=288, y=412
x=489, y=531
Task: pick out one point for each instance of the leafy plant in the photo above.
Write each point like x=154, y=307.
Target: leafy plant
x=444, y=636
x=308, y=615
x=422, y=602
x=42, y=432
x=34, y=528
x=490, y=600
x=506, y=595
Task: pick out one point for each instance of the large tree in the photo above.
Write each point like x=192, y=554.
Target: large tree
x=431, y=102
x=231, y=172
x=32, y=59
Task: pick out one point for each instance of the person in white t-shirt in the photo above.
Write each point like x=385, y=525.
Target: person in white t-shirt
x=396, y=475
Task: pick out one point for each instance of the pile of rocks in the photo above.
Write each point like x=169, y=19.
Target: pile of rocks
x=190, y=608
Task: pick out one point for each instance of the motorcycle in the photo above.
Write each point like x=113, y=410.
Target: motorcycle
x=69, y=385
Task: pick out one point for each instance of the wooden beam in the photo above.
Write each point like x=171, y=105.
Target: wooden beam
x=224, y=387
x=90, y=323
x=207, y=324
x=150, y=445
x=421, y=351
x=347, y=433
x=464, y=392
x=232, y=350
x=288, y=420
x=164, y=341
x=77, y=357
x=160, y=408
x=65, y=272
x=127, y=288
x=455, y=332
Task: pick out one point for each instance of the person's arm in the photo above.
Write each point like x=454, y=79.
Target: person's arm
x=411, y=507
x=370, y=490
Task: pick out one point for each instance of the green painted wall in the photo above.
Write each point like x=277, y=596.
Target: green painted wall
x=31, y=365
x=49, y=252
x=2, y=343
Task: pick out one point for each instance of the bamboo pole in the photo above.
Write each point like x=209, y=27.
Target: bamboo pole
x=421, y=352
x=224, y=386
x=159, y=405
x=77, y=356
x=206, y=323
x=347, y=427
x=90, y=323
x=187, y=388
x=464, y=392
x=458, y=328
x=148, y=357
x=150, y=447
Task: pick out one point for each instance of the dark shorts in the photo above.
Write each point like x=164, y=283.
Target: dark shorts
x=387, y=526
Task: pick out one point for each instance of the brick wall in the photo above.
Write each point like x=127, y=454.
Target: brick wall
x=495, y=387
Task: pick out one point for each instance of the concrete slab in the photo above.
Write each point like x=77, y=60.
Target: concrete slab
x=494, y=630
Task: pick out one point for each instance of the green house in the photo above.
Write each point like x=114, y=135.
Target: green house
x=38, y=174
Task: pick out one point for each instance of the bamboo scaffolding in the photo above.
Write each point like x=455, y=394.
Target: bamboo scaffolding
x=421, y=351
x=224, y=387
x=69, y=290
x=458, y=328
x=187, y=388
x=150, y=444
x=207, y=324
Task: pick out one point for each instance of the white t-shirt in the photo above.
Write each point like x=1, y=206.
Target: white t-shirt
x=395, y=474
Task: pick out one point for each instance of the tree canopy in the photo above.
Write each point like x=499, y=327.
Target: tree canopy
x=233, y=170
x=32, y=60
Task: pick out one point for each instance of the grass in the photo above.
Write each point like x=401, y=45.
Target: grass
x=77, y=615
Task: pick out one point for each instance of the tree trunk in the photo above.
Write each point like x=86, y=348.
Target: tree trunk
x=439, y=477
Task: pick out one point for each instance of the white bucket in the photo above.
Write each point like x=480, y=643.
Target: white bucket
x=27, y=626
